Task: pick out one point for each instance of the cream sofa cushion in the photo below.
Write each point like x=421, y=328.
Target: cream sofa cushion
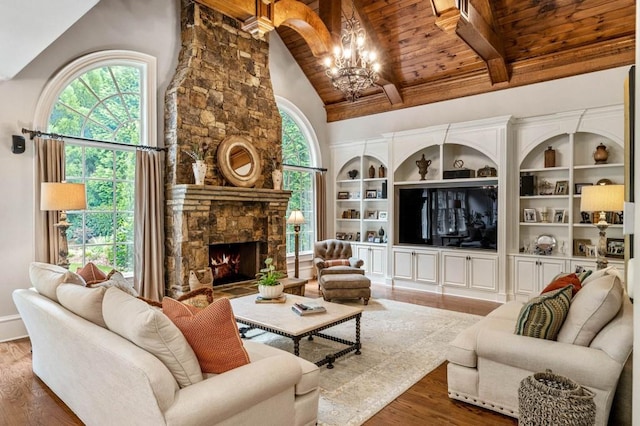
x=83, y=301
x=594, y=306
x=150, y=329
x=46, y=278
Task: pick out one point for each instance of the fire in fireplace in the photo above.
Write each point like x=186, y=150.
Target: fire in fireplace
x=233, y=263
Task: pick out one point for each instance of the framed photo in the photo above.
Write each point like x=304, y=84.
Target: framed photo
x=558, y=215
x=562, y=187
x=580, y=247
x=371, y=236
x=349, y=236
x=591, y=251
x=343, y=195
x=615, y=248
x=530, y=215
x=578, y=187
x=382, y=215
x=618, y=218
x=372, y=214
x=377, y=240
x=371, y=193
x=585, y=217
x=340, y=235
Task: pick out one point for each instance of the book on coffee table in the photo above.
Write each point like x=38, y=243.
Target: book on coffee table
x=307, y=309
x=281, y=299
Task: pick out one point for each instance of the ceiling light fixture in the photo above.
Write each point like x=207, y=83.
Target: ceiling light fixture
x=353, y=67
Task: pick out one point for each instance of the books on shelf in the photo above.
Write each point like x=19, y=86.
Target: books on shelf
x=281, y=299
x=307, y=309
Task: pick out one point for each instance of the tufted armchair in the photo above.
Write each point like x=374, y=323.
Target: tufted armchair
x=335, y=257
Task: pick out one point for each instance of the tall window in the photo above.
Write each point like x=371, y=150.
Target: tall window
x=300, y=181
x=105, y=101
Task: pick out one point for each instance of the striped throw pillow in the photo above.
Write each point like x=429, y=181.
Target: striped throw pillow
x=337, y=262
x=543, y=316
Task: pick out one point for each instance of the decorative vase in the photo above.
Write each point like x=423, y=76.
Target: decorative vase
x=271, y=291
x=550, y=157
x=199, y=171
x=382, y=172
x=423, y=166
x=352, y=174
x=601, y=154
x=276, y=175
x=372, y=172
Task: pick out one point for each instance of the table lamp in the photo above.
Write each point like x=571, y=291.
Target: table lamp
x=296, y=219
x=602, y=199
x=62, y=196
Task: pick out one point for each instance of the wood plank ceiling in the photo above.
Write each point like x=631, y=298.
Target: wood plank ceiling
x=539, y=40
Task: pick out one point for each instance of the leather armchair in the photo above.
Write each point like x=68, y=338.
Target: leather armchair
x=335, y=257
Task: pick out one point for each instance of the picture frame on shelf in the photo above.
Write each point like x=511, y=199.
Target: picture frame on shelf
x=340, y=235
x=349, y=236
x=343, y=195
x=530, y=215
x=371, y=193
x=591, y=251
x=371, y=236
x=562, y=187
x=577, y=188
x=618, y=218
x=615, y=248
x=585, y=217
x=377, y=240
x=372, y=214
x=356, y=195
x=558, y=215
x=382, y=215
x=580, y=246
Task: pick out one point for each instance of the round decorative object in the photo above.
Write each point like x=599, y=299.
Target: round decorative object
x=601, y=154
x=352, y=174
x=271, y=291
x=604, y=181
x=545, y=244
x=458, y=164
x=239, y=161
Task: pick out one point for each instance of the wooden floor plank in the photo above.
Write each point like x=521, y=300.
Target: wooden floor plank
x=26, y=400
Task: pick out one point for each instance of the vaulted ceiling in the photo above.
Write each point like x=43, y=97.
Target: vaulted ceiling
x=433, y=50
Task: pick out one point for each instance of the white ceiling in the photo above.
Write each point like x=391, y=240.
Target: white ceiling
x=27, y=27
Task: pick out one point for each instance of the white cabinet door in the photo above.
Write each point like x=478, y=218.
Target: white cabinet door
x=547, y=271
x=403, y=264
x=483, y=272
x=377, y=261
x=362, y=252
x=525, y=275
x=426, y=266
x=454, y=269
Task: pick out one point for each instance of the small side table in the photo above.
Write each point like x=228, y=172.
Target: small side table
x=294, y=285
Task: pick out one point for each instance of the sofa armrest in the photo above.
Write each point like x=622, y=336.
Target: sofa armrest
x=356, y=263
x=318, y=262
x=222, y=396
x=587, y=366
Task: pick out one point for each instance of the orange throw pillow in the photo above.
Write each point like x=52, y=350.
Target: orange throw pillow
x=563, y=281
x=92, y=274
x=212, y=333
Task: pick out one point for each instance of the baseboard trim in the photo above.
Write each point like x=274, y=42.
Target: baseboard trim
x=12, y=328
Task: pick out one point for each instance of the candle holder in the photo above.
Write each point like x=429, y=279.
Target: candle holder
x=544, y=216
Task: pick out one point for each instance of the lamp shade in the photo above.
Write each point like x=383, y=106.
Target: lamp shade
x=296, y=218
x=602, y=198
x=62, y=196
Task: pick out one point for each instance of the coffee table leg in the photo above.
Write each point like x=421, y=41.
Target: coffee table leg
x=296, y=346
x=358, y=335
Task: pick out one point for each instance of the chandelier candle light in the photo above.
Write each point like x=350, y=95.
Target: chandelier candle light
x=296, y=219
x=602, y=199
x=353, y=67
x=62, y=196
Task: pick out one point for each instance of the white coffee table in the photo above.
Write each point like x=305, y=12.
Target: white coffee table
x=278, y=318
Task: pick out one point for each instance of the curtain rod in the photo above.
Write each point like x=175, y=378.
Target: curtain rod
x=319, y=169
x=37, y=133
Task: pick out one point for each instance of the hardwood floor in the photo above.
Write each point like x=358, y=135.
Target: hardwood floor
x=26, y=400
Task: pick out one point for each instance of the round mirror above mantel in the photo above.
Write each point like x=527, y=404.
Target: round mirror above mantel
x=239, y=161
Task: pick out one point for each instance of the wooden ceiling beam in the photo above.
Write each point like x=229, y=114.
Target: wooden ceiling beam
x=474, y=25
x=388, y=79
x=303, y=20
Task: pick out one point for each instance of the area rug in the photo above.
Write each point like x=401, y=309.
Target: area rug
x=401, y=343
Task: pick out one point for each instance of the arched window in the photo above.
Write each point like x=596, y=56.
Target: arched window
x=298, y=155
x=104, y=96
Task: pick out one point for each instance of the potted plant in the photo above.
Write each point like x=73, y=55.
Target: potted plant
x=197, y=153
x=269, y=284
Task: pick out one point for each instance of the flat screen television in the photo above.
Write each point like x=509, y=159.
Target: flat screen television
x=461, y=216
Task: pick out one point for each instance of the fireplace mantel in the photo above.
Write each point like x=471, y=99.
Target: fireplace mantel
x=186, y=193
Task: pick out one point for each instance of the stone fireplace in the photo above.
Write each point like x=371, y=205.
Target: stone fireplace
x=221, y=88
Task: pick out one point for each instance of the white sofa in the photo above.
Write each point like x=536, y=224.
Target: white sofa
x=105, y=379
x=488, y=361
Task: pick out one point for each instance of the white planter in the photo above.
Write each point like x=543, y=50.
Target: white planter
x=276, y=175
x=199, y=171
x=271, y=291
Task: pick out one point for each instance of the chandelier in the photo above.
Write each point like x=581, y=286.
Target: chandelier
x=353, y=68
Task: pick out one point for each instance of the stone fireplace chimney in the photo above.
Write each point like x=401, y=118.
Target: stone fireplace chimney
x=221, y=88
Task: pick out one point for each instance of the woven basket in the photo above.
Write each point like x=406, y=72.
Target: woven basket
x=551, y=399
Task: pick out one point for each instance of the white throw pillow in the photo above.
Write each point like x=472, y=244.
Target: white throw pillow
x=591, y=309
x=118, y=280
x=150, y=329
x=46, y=278
x=85, y=302
x=598, y=273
